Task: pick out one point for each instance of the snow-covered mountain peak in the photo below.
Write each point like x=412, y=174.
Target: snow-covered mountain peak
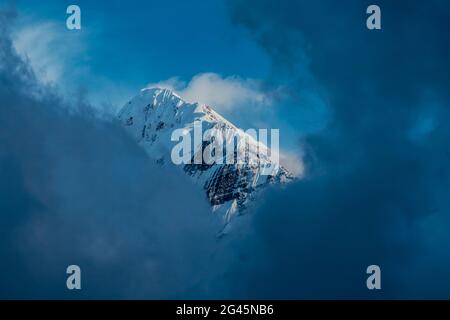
x=152, y=116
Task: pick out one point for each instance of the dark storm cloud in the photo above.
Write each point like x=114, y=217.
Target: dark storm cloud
x=76, y=190
x=377, y=182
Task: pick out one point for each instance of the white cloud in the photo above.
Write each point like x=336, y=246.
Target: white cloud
x=51, y=50
x=293, y=162
x=60, y=57
x=222, y=93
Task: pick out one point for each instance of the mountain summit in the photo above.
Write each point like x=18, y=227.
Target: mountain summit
x=152, y=116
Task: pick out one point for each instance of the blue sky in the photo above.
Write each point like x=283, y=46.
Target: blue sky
x=193, y=47
x=140, y=42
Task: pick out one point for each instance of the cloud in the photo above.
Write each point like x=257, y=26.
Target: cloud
x=223, y=93
x=77, y=190
x=60, y=58
x=53, y=52
x=293, y=163
x=375, y=189
x=376, y=175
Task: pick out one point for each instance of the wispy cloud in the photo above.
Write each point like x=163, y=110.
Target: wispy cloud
x=223, y=93
x=60, y=58
x=52, y=51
